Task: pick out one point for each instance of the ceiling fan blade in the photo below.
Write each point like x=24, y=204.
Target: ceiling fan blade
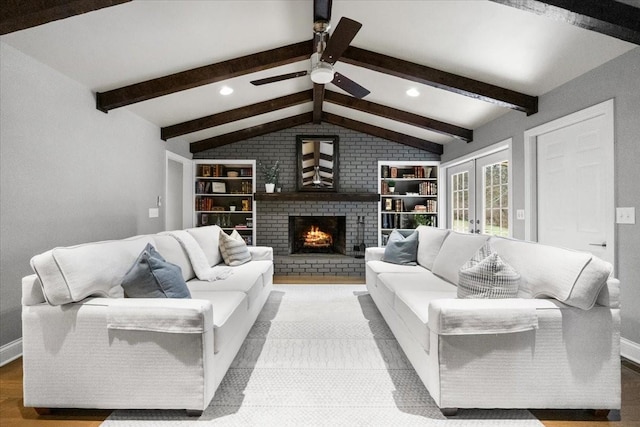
x=340, y=39
x=279, y=78
x=322, y=10
x=349, y=86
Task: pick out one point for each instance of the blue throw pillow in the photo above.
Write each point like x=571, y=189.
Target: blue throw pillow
x=151, y=276
x=400, y=249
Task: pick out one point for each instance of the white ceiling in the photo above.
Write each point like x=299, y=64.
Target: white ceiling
x=137, y=41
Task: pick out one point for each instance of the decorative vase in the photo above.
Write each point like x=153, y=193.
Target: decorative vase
x=269, y=187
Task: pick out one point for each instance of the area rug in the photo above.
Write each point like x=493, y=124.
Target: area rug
x=321, y=355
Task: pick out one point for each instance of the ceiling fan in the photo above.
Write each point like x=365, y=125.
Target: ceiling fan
x=327, y=51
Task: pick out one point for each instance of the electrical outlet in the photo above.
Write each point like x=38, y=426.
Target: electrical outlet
x=520, y=214
x=154, y=212
x=625, y=215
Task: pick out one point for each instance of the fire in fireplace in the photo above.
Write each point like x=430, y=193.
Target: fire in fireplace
x=317, y=234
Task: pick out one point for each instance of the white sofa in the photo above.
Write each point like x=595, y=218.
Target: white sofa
x=557, y=345
x=86, y=346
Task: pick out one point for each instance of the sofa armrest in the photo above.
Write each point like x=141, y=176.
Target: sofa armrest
x=261, y=253
x=373, y=254
x=609, y=295
x=169, y=315
x=483, y=316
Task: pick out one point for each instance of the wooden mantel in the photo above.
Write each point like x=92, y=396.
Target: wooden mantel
x=318, y=196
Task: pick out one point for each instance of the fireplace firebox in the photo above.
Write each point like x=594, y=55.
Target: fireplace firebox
x=317, y=234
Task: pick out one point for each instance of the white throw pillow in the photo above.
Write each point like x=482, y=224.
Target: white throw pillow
x=486, y=275
x=234, y=249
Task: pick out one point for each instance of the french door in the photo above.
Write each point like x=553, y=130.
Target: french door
x=478, y=195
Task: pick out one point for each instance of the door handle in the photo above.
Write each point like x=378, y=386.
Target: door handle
x=604, y=245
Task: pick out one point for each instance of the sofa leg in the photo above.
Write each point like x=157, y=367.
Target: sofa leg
x=449, y=412
x=42, y=411
x=600, y=413
x=194, y=413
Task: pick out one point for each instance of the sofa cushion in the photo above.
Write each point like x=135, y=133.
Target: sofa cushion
x=233, y=248
x=486, y=275
x=173, y=252
x=429, y=242
x=572, y=277
x=380, y=267
x=151, y=276
x=389, y=283
x=400, y=249
x=70, y=274
x=247, y=278
x=208, y=239
x=456, y=250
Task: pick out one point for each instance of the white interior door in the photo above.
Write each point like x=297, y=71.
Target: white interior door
x=478, y=195
x=178, y=192
x=575, y=187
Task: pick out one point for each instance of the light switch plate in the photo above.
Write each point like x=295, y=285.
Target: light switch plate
x=520, y=214
x=625, y=215
x=154, y=212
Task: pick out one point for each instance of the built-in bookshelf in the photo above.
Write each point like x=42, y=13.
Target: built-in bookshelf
x=223, y=196
x=408, y=196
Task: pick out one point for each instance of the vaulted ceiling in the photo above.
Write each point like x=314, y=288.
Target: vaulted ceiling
x=470, y=61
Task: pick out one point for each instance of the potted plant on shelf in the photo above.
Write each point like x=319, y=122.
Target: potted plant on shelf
x=270, y=174
x=392, y=185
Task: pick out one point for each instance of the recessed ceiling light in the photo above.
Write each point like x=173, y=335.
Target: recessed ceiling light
x=226, y=90
x=413, y=92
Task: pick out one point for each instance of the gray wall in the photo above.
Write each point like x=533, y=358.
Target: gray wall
x=618, y=79
x=69, y=173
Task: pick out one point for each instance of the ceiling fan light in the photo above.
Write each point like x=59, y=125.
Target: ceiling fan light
x=321, y=72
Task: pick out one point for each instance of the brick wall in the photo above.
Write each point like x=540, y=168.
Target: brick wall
x=359, y=155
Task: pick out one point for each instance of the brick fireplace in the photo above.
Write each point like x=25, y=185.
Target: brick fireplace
x=359, y=154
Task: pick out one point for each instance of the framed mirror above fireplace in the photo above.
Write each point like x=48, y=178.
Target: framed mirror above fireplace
x=317, y=162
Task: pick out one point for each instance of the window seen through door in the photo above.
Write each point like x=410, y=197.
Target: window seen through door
x=496, y=199
x=460, y=201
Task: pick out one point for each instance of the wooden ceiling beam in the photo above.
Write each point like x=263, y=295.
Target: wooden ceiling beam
x=241, y=135
x=318, y=99
x=612, y=18
x=236, y=114
x=16, y=15
x=441, y=79
x=200, y=76
x=399, y=115
x=398, y=137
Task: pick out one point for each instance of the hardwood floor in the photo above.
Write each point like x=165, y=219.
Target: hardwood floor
x=13, y=413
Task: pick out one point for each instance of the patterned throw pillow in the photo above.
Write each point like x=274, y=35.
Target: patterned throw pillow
x=234, y=249
x=486, y=275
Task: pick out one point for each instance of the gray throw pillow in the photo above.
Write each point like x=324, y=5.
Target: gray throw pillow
x=151, y=276
x=234, y=249
x=486, y=275
x=400, y=249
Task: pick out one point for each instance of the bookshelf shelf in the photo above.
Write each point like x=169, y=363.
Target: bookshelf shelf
x=223, y=195
x=414, y=200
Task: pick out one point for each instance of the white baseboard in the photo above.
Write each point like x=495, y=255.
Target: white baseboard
x=630, y=350
x=10, y=352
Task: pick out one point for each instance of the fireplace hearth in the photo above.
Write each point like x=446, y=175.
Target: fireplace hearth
x=317, y=235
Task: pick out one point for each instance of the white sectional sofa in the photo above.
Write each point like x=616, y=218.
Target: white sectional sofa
x=556, y=345
x=86, y=346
